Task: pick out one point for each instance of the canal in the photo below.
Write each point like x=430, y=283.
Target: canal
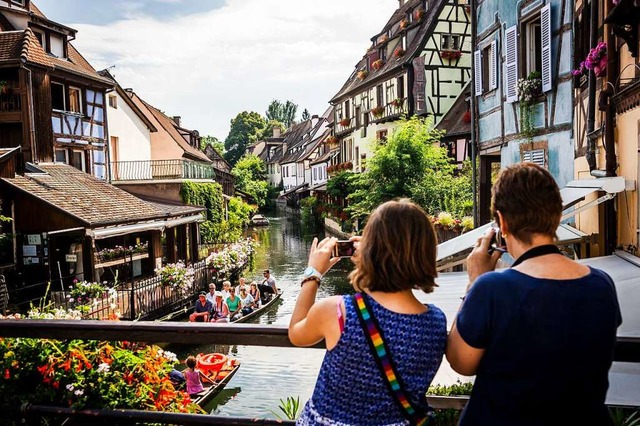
x=269, y=374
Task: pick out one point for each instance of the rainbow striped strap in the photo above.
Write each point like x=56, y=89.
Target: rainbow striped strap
x=381, y=354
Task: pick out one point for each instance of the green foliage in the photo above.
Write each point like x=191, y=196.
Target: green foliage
x=624, y=416
x=251, y=174
x=268, y=130
x=449, y=416
x=246, y=128
x=308, y=210
x=305, y=115
x=214, y=142
x=208, y=195
x=282, y=112
x=289, y=407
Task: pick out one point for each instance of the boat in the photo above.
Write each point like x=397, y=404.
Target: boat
x=259, y=220
x=262, y=309
x=214, y=377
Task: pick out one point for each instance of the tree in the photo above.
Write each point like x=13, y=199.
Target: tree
x=268, y=130
x=246, y=127
x=251, y=174
x=214, y=142
x=305, y=115
x=284, y=113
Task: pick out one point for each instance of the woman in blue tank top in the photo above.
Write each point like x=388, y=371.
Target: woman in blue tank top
x=396, y=254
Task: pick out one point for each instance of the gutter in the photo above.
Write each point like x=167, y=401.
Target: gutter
x=32, y=119
x=474, y=123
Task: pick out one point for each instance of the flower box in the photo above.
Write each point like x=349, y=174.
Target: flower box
x=377, y=112
x=450, y=54
x=397, y=103
x=418, y=14
x=332, y=140
x=377, y=64
x=404, y=24
x=383, y=39
x=399, y=52
x=596, y=60
x=345, y=122
x=362, y=74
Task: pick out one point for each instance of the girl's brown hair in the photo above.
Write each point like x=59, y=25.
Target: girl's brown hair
x=191, y=362
x=397, y=250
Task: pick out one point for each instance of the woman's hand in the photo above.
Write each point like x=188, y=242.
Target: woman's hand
x=480, y=260
x=321, y=254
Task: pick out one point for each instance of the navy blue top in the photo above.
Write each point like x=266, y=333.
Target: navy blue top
x=350, y=388
x=548, y=348
x=199, y=307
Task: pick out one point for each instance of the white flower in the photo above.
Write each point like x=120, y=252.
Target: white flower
x=69, y=387
x=79, y=392
x=103, y=368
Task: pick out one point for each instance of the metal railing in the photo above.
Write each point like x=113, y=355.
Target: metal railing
x=161, y=169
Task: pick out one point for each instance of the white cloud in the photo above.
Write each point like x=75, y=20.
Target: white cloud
x=209, y=67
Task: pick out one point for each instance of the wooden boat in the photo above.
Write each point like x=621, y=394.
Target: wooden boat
x=262, y=309
x=259, y=220
x=215, y=381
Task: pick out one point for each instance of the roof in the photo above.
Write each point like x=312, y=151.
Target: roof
x=294, y=138
x=171, y=127
x=85, y=197
x=454, y=121
x=394, y=65
x=173, y=209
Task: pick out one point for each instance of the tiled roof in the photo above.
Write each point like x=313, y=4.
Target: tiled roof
x=83, y=196
x=294, y=138
x=22, y=46
x=453, y=121
x=393, y=65
x=176, y=209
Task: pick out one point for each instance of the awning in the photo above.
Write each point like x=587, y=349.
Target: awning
x=319, y=187
x=294, y=189
x=156, y=225
x=576, y=190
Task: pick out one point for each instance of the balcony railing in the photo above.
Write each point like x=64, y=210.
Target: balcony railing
x=75, y=127
x=161, y=169
x=10, y=102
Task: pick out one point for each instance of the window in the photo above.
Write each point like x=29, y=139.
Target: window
x=400, y=89
x=486, y=69
x=533, y=46
x=381, y=135
x=347, y=110
x=57, y=97
x=75, y=100
x=113, y=101
x=379, y=95
x=450, y=42
x=61, y=156
x=78, y=160
x=41, y=39
x=19, y=2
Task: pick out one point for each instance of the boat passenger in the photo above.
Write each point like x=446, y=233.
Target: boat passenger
x=211, y=296
x=255, y=293
x=242, y=283
x=220, y=311
x=395, y=255
x=234, y=305
x=246, y=301
x=192, y=375
x=202, y=309
x=226, y=285
x=268, y=286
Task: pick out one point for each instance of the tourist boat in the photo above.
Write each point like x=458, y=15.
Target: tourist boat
x=259, y=220
x=262, y=309
x=216, y=371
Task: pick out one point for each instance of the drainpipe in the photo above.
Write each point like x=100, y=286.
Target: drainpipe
x=474, y=165
x=32, y=119
x=591, y=111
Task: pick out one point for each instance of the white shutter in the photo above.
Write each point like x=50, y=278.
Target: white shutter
x=477, y=69
x=545, y=33
x=493, y=66
x=511, y=64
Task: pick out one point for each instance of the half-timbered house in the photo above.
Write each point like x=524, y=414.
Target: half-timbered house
x=417, y=65
x=518, y=42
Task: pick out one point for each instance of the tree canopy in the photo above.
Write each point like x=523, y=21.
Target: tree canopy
x=305, y=115
x=214, y=142
x=251, y=174
x=246, y=128
x=282, y=112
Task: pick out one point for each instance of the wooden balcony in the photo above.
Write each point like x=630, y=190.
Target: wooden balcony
x=10, y=102
x=161, y=170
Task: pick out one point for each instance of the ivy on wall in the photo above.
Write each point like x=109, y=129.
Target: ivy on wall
x=208, y=195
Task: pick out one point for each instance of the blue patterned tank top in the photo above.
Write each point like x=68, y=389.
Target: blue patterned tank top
x=350, y=389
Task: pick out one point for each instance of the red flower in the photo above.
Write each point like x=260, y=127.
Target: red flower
x=7, y=374
x=467, y=117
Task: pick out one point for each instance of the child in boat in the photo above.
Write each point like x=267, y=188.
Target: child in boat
x=192, y=374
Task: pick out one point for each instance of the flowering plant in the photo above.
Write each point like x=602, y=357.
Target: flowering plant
x=418, y=14
x=450, y=54
x=397, y=103
x=362, y=74
x=118, y=252
x=331, y=140
x=177, y=276
x=528, y=91
x=377, y=111
x=404, y=24
x=232, y=257
x=89, y=375
x=596, y=60
x=399, y=52
x=377, y=64
x=345, y=122
x=82, y=292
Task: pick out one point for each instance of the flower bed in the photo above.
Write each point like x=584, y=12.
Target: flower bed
x=231, y=257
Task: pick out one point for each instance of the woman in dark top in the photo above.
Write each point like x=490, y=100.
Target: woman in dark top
x=539, y=337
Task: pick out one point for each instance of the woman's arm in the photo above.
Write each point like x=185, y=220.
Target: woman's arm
x=309, y=319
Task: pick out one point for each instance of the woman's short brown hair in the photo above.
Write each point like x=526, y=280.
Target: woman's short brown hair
x=397, y=251
x=529, y=199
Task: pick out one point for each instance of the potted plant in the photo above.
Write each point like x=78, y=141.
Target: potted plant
x=383, y=39
x=345, y=122
x=529, y=89
x=377, y=64
x=451, y=54
x=596, y=60
x=399, y=52
x=4, y=87
x=418, y=14
x=332, y=140
x=397, y=103
x=362, y=74
x=377, y=111
x=404, y=23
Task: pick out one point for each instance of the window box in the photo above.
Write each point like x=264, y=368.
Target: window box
x=377, y=112
x=376, y=65
x=345, y=122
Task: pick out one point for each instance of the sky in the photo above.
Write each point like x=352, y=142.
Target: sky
x=208, y=60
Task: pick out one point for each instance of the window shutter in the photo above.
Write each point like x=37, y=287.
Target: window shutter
x=545, y=35
x=536, y=156
x=477, y=66
x=511, y=64
x=493, y=70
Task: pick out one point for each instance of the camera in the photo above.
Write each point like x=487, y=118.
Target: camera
x=344, y=248
x=497, y=243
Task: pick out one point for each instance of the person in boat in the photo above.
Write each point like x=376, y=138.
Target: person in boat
x=234, y=305
x=192, y=375
x=226, y=286
x=268, y=286
x=177, y=378
x=202, y=309
x=242, y=283
x=211, y=296
x=246, y=301
x=540, y=335
x=395, y=255
x=220, y=311
x=255, y=293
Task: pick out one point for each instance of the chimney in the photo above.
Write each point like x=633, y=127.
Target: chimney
x=314, y=120
x=176, y=119
x=401, y=3
x=277, y=131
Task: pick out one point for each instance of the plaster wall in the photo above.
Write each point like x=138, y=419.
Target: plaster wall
x=134, y=137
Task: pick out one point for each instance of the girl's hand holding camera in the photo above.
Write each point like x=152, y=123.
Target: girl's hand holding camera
x=321, y=256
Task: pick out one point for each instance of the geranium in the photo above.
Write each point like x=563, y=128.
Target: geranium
x=345, y=122
x=596, y=60
x=232, y=257
x=89, y=375
x=362, y=74
x=377, y=111
x=397, y=103
x=377, y=64
x=119, y=252
x=177, y=276
x=451, y=54
x=399, y=52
